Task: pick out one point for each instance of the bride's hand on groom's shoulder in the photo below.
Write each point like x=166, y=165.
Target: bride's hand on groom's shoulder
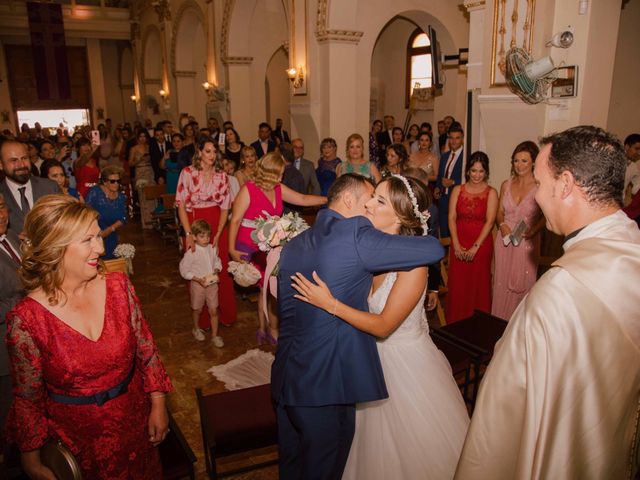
x=317, y=294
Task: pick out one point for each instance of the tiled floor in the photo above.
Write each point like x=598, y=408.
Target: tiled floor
x=164, y=298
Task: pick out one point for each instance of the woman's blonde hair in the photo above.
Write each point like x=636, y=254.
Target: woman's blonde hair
x=51, y=226
x=269, y=171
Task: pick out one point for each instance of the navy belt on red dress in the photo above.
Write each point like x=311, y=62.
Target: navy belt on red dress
x=99, y=398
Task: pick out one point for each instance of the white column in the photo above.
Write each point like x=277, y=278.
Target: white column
x=96, y=76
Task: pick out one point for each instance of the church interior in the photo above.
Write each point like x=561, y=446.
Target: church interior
x=327, y=69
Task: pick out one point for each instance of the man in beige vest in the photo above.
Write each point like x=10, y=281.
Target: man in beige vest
x=560, y=398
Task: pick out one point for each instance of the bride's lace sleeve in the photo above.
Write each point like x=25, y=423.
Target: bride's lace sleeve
x=153, y=372
x=27, y=421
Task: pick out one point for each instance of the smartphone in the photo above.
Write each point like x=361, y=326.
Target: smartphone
x=95, y=137
x=221, y=138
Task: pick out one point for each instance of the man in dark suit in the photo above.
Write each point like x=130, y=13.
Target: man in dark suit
x=19, y=188
x=265, y=143
x=323, y=366
x=449, y=175
x=385, y=137
x=305, y=167
x=158, y=146
x=11, y=291
x=280, y=132
x=214, y=129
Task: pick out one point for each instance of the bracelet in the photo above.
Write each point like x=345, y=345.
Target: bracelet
x=157, y=395
x=187, y=234
x=335, y=306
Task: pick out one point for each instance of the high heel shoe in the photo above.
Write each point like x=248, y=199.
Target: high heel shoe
x=270, y=338
x=261, y=337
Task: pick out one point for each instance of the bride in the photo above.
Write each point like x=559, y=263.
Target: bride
x=417, y=432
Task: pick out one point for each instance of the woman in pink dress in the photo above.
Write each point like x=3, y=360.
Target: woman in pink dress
x=204, y=193
x=85, y=368
x=516, y=266
x=472, y=212
x=263, y=194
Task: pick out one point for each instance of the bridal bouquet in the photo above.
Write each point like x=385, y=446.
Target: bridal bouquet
x=244, y=274
x=273, y=231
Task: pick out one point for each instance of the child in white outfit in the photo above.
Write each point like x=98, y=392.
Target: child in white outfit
x=201, y=268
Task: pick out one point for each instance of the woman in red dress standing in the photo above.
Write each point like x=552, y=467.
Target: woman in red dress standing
x=203, y=193
x=85, y=368
x=472, y=212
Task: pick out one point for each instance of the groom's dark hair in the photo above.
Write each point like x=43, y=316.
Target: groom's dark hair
x=347, y=182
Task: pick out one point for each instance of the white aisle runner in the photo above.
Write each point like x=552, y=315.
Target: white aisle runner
x=250, y=369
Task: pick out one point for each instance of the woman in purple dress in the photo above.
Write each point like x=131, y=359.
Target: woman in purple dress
x=516, y=265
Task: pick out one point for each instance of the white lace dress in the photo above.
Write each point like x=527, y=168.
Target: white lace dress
x=418, y=432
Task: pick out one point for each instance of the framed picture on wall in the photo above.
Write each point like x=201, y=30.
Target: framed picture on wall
x=513, y=22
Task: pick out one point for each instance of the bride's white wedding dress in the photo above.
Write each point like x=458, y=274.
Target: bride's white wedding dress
x=418, y=432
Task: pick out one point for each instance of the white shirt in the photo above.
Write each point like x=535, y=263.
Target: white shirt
x=202, y=262
x=632, y=176
x=13, y=188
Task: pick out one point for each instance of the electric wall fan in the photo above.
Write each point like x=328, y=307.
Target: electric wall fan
x=528, y=79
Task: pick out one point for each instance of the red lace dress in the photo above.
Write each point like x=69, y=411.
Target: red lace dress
x=470, y=282
x=109, y=441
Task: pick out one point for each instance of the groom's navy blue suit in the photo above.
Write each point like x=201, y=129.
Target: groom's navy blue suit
x=323, y=366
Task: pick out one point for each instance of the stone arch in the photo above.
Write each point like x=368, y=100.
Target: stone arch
x=277, y=87
x=187, y=8
x=188, y=59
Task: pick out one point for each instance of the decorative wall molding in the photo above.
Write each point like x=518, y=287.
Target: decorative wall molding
x=184, y=73
x=471, y=5
x=321, y=20
x=237, y=60
x=153, y=81
x=339, y=36
x=224, y=31
x=163, y=10
x=187, y=5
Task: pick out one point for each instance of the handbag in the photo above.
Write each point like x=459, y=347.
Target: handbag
x=58, y=458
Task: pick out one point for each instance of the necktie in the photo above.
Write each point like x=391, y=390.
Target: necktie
x=161, y=145
x=449, y=168
x=24, y=203
x=9, y=250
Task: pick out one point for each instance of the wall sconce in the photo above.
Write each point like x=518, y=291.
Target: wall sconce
x=134, y=99
x=296, y=76
x=163, y=94
x=208, y=89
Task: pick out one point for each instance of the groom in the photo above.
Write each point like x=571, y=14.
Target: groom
x=323, y=366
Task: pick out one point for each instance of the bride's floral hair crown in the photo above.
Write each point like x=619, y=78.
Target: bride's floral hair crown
x=423, y=217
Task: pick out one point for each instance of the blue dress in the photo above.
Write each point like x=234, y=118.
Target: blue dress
x=326, y=173
x=173, y=168
x=110, y=212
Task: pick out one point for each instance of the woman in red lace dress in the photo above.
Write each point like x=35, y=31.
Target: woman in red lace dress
x=85, y=368
x=472, y=212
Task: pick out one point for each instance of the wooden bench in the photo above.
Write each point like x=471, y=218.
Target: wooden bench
x=235, y=422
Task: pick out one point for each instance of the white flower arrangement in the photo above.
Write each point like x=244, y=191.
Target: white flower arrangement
x=125, y=250
x=273, y=231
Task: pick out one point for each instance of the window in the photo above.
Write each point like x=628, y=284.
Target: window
x=418, y=62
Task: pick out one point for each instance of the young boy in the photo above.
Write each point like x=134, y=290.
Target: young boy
x=201, y=268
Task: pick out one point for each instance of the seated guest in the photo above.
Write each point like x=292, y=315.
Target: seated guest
x=110, y=202
x=248, y=165
x=327, y=164
x=53, y=170
x=265, y=143
x=356, y=163
x=85, y=368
